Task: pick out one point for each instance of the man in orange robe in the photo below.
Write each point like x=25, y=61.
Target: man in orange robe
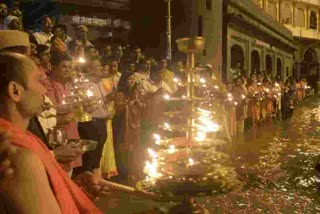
x=39, y=184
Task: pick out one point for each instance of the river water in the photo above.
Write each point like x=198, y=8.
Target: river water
x=276, y=163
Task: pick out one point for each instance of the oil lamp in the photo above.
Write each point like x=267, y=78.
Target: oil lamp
x=183, y=162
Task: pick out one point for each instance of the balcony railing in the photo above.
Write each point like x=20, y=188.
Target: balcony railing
x=302, y=32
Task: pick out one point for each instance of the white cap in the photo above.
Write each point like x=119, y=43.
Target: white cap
x=12, y=38
x=9, y=19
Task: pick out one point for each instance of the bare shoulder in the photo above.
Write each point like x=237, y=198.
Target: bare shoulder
x=29, y=188
x=23, y=161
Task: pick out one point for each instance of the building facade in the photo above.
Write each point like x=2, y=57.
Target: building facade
x=248, y=37
x=301, y=17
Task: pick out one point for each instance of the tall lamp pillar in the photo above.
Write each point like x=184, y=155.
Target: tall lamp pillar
x=169, y=31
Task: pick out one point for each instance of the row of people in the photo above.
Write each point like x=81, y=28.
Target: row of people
x=261, y=99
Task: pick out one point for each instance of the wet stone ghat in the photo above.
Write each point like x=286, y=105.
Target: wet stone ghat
x=276, y=163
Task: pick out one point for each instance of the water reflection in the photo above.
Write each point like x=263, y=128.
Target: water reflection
x=277, y=164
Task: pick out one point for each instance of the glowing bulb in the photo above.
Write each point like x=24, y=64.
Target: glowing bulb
x=82, y=60
x=202, y=80
x=243, y=97
x=267, y=90
x=63, y=102
x=167, y=97
x=229, y=95
x=184, y=96
x=175, y=80
x=276, y=84
x=236, y=103
x=76, y=80
x=230, y=99
x=216, y=87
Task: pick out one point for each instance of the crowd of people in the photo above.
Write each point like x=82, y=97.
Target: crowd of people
x=261, y=98
x=37, y=74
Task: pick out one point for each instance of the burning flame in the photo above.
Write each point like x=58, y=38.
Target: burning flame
x=151, y=169
x=172, y=149
x=166, y=125
x=82, y=60
x=207, y=125
x=166, y=96
x=191, y=162
x=204, y=112
x=89, y=93
x=201, y=136
x=152, y=153
x=157, y=138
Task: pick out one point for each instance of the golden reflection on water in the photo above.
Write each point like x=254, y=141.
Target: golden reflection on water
x=277, y=164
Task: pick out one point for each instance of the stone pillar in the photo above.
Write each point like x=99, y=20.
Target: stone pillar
x=274, y=62
x=297, y=72
x=228, y=61
x=307, y=18
x=263, y=59
x=318, y=20
x=317, y=91
x=292, y=14
x=213, y=33
x=278, y=6
x=249, y=57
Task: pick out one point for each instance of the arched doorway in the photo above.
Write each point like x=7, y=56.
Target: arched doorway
x=268, y=64
x=255, y=61
x=309, y=67
x=237, y=57
x=279, y=67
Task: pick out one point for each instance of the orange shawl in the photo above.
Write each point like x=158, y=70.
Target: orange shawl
x=69, y=196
